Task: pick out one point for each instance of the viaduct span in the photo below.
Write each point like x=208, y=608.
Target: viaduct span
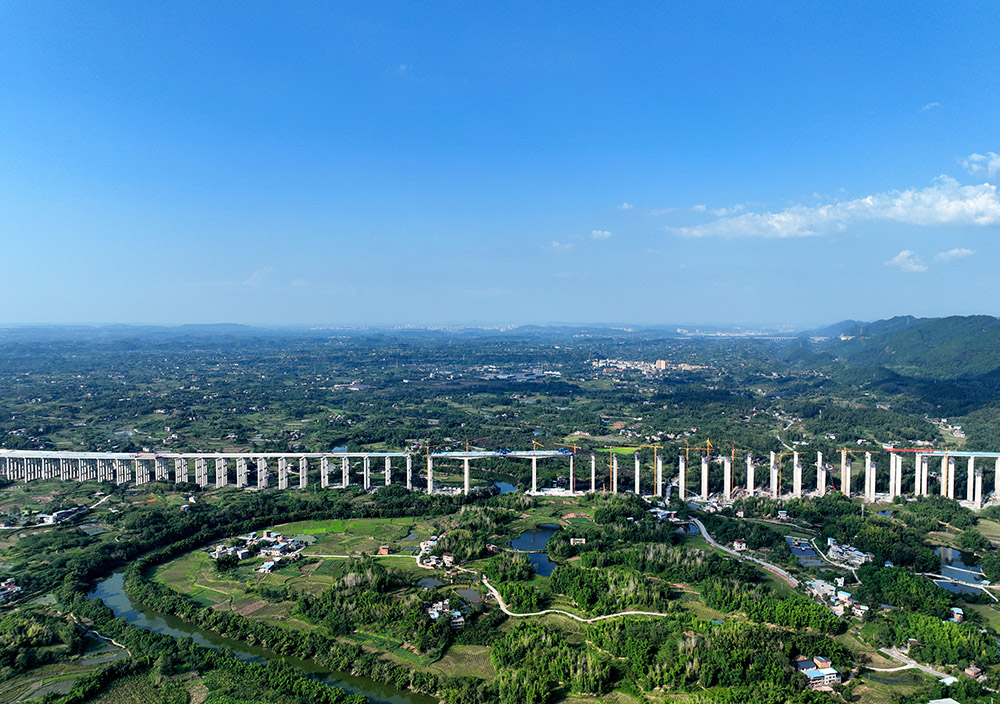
x=933, y=471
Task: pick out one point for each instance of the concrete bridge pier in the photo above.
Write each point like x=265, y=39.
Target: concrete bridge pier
x=659, y=476
x=681, y=477
x=820, y=475
x=388, y=470
x=242, y=473
x=180, y=470
x=123, y=471
x=282, y=473
x=951, y=477
x=466, y=470
x=303, y=472
x=870, y=469
x=925, y=470
x=750, y=471
x=345, y=471
x=221, y=472
x=970, y=486
x=978, y=495
x=430, y=475
x=796, y=476
x=366, y=470
x=893, y=470
x=727, y=479
x=637, y=465
x=161, y=469
x=845, y=473
x=142, y=471
x=263, y=476
x=572, y=477
x=775, y=489
x=201, y=471
x=409, y=472
x=614, y=472
x=324, y=472
x=593, y=472
x=996, y=479
x=704, y=478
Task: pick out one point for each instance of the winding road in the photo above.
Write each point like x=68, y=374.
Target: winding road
x=773, y=569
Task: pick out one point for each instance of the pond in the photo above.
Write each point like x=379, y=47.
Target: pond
x=111, y=591
x=533, y=542
x=473, y=596
x=505, y=488
x=429, y=582
x=954, y=566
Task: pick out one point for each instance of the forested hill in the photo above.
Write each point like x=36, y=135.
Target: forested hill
x=930, y=348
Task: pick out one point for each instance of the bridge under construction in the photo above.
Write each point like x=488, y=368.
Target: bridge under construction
x=343, y=469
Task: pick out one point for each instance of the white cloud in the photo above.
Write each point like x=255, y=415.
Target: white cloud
x=600, y=234
x=259, y=277
x=700, y=208
x=987, y=164
x=660, y=211
x=556, y=246
x=931, y=106
x=945, y=202
x=907, y=261
x=957, y=253
x=724, y=212
x=625, y=206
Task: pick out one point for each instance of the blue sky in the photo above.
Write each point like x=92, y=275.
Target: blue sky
x=415, y=163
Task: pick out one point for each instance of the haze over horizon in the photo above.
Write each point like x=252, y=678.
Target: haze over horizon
x=386, y=164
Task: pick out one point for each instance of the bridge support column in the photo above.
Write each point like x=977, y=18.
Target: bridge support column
x=161, y=469
x=572, y=477
x=727, y=479
x=845, y=474
x=466, y=475
x=534, y=475
x=221, y=472
x=367, y=472
x=681, y=477
x=750, y=477
x=409, y=472
x=899, y=475
x=388, y=471
x=925, y=471
x=593, y=472
x=242, y=473
x=282, y=473
x=180, y=470
x=430, y=474
x=637, y=466
x=345, y=472
x=978, y=495
x=943, y=476
x=659, y=476
x=775, y=489
x=870, y=470
x=201, y=471
x=893, y=471
x=704, y=478
x=820, y=475
x=951, y=477
x=996, y=480
x=970, y=486
x=324, y=472
x=303, y=472
x=142, y=471
x=614, y=472
x=263, y=477
x=123, y=471
x=796, y=476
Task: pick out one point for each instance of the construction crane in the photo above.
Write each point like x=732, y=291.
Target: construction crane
x=574, y=447
x=469, y=442
x=707, y=448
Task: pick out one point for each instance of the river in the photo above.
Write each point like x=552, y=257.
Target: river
x=111, y=591
x=533, y=542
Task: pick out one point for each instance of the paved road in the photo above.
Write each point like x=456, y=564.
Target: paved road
x=774, y=569
x=908, y=663
x=506, y=610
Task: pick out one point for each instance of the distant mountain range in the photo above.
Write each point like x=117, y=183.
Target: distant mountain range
x=942, y=348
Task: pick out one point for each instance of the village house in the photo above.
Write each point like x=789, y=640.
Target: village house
x=740, y=544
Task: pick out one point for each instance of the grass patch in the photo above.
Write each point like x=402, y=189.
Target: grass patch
x=467, y=660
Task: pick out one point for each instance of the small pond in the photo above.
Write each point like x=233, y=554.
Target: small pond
x=505, y=488
x=429, y=582
x=533, y=542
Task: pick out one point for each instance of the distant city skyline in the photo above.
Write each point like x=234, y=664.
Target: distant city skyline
x=391, y=164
